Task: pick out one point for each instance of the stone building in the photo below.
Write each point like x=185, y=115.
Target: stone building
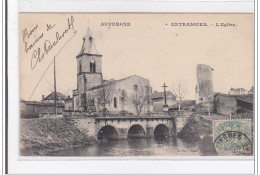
x=239, y=105
x=204, y=88
x=60, y=98
x=68, y=104
x=240, y=91
x=130, y=94
x=36, y=109
x=225, y=104
x=45, y=107
x=158, y=100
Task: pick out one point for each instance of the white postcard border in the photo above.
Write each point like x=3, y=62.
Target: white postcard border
x=19, y=166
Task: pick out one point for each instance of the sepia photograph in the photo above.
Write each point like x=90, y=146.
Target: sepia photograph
x=136, y=84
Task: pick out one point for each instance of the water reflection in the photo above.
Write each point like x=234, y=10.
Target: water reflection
x=164, y=146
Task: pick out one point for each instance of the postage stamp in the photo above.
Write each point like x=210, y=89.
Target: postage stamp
x=232, y=137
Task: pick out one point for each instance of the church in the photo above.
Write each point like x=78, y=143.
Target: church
x=94, y=94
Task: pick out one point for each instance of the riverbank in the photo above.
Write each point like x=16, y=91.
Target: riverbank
x=41, y=136
x=199, y=126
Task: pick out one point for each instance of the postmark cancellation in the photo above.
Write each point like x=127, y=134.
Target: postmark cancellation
x=232, y=137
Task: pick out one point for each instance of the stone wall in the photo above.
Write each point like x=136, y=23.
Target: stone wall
x=85, y=125
x=80, y=83
x=225, y=104
x=93, y=79
x=79, y=102
x=82, y=120
x=158, y=106
x=29, y=109
x=180, y=123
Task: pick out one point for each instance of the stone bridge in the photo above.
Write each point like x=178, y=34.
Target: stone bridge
x=122, y=127
x=127, y=127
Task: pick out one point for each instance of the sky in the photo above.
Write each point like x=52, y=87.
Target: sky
x=150, y=47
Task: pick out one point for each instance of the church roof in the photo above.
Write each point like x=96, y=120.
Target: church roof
x=110, y=82
x=131, y=77
x=88, y=46
x=59, y=96
x=105, y=83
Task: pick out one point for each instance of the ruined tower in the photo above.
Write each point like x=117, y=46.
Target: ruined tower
x=89, y=65
x=204, y=87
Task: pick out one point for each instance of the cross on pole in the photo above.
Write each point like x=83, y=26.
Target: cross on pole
x=164, y=86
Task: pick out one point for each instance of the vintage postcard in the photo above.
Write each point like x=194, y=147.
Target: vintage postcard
x=130, y=84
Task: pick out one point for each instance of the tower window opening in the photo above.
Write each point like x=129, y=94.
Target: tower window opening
x=92, y=66
x=80, y=67
x=92, y=102
x=85, y=83
x=115, y=102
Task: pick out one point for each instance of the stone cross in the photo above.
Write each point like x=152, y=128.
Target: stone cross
x=164, y=86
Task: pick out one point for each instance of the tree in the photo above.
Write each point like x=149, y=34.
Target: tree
x=139, y=99
x=180, y=90
x=105, y=96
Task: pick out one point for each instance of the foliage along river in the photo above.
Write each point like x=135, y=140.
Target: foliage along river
x=168, y=146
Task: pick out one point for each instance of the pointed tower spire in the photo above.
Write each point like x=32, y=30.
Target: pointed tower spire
x=88, y=46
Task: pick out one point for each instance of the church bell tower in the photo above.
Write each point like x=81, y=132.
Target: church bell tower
x=89, y=65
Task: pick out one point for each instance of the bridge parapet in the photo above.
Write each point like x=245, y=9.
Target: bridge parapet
x=148, y=125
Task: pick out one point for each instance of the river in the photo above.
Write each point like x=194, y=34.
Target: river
x=169, y=146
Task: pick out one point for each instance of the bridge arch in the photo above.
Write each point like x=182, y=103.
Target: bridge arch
x=161, y=130
x=107, y=132
x=136, y=131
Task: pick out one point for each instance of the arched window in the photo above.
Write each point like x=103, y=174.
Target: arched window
x=85, y=83
x=135, y=87
x=92, y=66
x=115, y=102
x=80, y=67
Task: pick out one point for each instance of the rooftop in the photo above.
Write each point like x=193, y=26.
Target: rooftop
x=88, y=46
x=243, y=97
x=111, y=81
x=156, y=94
x=184, y=104
x=59, y=96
